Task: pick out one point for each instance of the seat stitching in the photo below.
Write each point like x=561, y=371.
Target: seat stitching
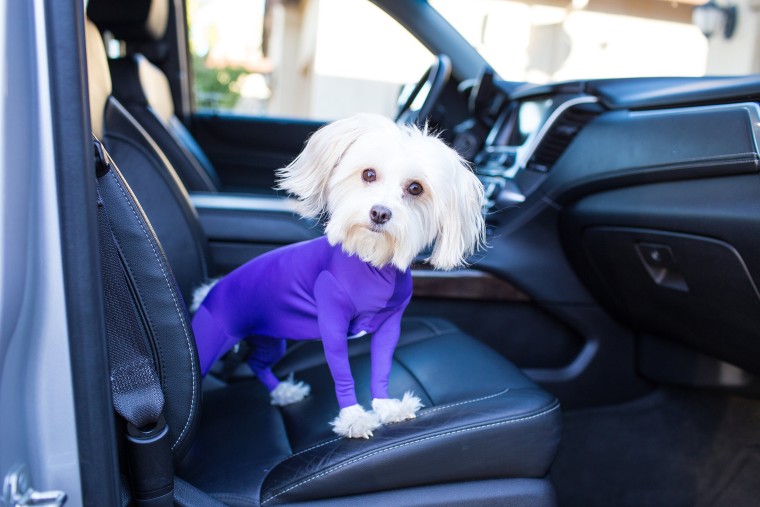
x=128, y=266
x=475, y=400
x=310, y=449
x=399, y=446
x=176, y=307
x=423, y=412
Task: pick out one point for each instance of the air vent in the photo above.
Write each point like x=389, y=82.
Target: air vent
x=564, y=130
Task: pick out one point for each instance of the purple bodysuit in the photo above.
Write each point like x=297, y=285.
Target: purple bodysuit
x=303, y=292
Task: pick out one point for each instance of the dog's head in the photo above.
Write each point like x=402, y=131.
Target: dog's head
x=388, y=191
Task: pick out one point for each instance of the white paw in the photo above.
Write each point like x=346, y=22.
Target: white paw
x=393, y=411
x=289, y=391
x=355, y=422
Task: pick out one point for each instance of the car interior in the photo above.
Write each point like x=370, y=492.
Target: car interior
x=600, y=351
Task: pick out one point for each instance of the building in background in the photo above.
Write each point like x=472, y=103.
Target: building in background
x=326, y=59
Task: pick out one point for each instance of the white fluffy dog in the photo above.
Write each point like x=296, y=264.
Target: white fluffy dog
x=386, y=192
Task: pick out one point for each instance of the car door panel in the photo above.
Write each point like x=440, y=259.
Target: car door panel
x=246, y=150
x=241, y=227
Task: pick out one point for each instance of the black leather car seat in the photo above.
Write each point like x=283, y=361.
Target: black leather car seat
x=143, y=89
x=161, y=193
x=487, y=434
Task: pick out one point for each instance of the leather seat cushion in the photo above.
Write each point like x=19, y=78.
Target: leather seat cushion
x=482, y=419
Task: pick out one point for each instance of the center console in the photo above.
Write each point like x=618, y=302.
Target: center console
x=528, y=137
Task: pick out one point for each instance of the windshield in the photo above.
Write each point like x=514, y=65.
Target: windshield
x=541, y=41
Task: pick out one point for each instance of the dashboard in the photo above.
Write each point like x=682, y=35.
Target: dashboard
x=639, y=194
x=536, y=124
x=511, y=165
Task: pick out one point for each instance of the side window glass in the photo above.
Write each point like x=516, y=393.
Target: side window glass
x=580, y=39
x=311, y=59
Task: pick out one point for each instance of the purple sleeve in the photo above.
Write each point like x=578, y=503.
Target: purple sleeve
x=384, y=342
x=334, y=313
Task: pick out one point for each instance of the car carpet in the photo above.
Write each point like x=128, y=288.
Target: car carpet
x=671, y=448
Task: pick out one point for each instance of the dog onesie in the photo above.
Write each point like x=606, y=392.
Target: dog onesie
x=306, y=291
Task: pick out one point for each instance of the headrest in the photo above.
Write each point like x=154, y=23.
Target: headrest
x=131, y=20
x=98, y=76
x=136, y=80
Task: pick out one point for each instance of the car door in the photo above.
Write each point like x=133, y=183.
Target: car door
x=56, y=418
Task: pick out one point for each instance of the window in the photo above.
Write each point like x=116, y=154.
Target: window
x=316, y=59
x=526, y=41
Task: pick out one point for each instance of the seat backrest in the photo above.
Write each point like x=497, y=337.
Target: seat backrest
x=150, y=278
x=144, y=91
x=165, y=320
x=149, y=173
x=161, y=194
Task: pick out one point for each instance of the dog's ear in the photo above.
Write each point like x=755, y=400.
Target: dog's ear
x=308, y=175
x=461, y=227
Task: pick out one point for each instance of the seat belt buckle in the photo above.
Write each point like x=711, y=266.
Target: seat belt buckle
x=151, y=467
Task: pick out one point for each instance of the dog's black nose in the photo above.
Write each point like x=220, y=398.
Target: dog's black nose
x=380, y=214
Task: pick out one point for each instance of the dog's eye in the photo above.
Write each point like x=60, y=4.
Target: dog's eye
x=369, y=175
x=414, y=188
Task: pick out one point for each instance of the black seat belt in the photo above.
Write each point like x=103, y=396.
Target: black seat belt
x=135, y=385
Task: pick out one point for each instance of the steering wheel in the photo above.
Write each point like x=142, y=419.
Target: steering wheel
x=415, y=103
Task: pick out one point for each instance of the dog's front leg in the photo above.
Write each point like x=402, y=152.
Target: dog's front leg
x=334, y=310
x=384, y=341
x=352, y=421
